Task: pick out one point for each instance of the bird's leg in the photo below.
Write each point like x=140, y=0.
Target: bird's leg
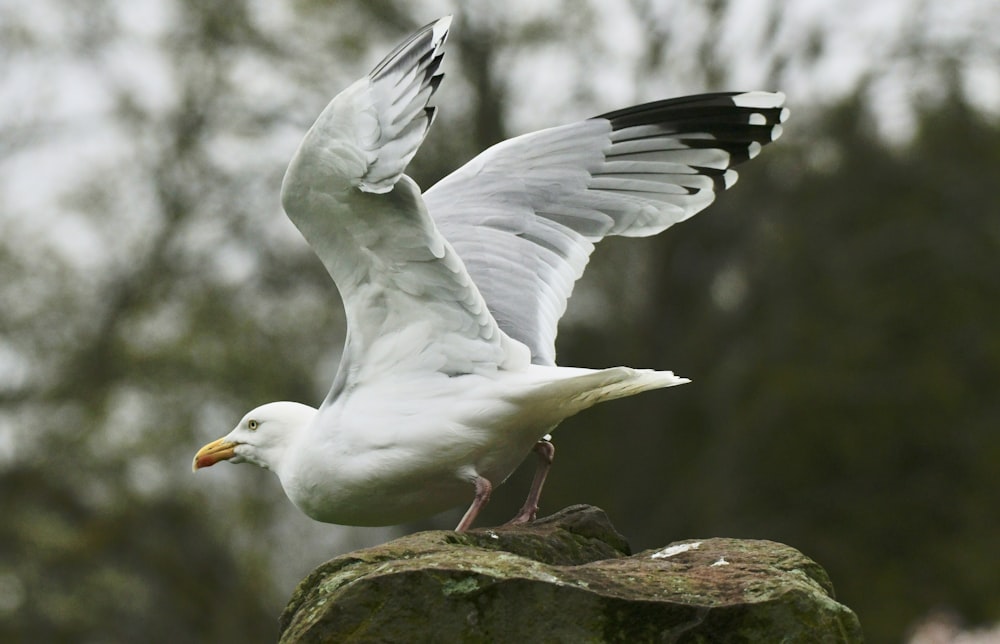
x=483, y=490
x=546, y=452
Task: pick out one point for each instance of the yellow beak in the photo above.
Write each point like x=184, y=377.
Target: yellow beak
x=209, y=455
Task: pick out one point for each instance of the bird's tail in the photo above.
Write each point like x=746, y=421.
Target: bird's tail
x=578, y=389
x=619, y=382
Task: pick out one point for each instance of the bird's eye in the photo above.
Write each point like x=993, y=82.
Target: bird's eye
x=252, y=424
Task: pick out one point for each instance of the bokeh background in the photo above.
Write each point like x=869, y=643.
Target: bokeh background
x=837, y=311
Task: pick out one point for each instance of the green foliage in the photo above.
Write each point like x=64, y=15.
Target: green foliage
x=846, y=404
x=836, y=311
x=75, y=570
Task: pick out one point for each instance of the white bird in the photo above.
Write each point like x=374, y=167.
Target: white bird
x=448, y=377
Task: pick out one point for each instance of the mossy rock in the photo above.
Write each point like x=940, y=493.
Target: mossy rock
x=567, y=578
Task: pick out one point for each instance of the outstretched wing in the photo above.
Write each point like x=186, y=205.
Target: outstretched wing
x=524, y=215
x=410, y=303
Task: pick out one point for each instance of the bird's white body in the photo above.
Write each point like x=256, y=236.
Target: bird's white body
x=448, y=376
x=412, y=447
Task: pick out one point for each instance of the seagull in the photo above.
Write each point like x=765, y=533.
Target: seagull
x=448, y=379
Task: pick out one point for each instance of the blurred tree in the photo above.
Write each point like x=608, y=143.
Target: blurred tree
x=130, y=340
x=153, y=291
x=845, y=366
x=142, y=571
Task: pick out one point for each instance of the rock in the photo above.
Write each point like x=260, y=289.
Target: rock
x=570, y=577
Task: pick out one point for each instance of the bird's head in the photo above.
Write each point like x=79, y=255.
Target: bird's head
x=260, y=438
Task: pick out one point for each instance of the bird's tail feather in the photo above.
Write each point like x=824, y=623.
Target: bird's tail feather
x=589, y=387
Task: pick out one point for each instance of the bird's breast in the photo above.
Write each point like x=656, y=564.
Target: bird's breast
x=396, y=452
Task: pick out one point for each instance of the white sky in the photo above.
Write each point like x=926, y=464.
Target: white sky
x=75, y=95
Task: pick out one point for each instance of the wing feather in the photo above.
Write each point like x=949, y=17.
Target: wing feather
x=524, y=215
x=410, y=303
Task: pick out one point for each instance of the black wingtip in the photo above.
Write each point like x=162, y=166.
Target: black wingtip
x=431, y=36
x=740, y=123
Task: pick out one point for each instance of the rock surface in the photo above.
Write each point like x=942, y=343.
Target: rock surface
x=569, y=577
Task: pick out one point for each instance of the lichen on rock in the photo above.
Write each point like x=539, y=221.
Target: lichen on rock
x=568, y=577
